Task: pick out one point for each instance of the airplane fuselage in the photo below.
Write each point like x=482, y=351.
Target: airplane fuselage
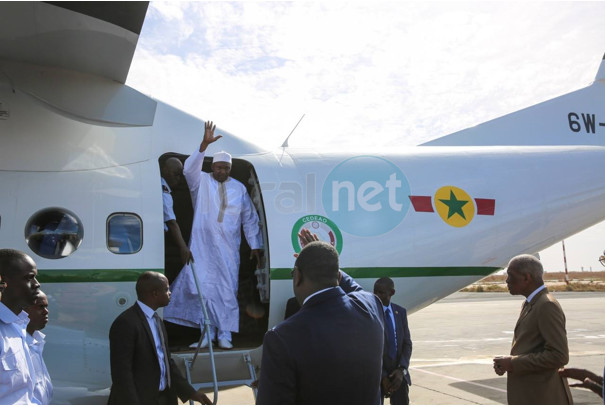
x=434, y=219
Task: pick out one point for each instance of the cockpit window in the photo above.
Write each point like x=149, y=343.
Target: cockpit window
x=124, y=233
x=54, y=233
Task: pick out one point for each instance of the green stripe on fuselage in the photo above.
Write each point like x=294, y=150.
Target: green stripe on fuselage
x=126, y=275
x=91, y=275
x=400, y=272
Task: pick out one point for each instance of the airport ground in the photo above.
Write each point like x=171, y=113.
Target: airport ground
x=556, y=281
x=455, y=339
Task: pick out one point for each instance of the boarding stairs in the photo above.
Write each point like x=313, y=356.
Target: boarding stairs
x=220, y=369
x=236, y=367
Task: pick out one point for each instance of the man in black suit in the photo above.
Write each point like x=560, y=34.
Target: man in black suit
x=292, y=307
x=397, y=346
x=330, y=351
x=141, y=365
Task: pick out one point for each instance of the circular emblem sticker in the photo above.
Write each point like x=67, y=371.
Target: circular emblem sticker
x=366, y=195
x=454, y=206
x=322, y=226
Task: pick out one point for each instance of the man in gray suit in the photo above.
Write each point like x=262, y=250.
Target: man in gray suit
x=539, y=347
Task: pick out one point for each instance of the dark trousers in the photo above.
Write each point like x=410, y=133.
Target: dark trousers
x=166, y=397
x=400, y=396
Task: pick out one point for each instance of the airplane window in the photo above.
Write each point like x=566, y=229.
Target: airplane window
x=54, y=233
x=124, y=233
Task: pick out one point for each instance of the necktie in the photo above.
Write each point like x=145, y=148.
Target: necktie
x=164, y=349
x=224, y=201
x=391, y=335
x=525, y=304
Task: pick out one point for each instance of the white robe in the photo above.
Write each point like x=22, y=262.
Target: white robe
x=215, y=248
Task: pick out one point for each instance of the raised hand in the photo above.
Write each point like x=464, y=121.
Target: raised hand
x=209, y=130
x=305, y=237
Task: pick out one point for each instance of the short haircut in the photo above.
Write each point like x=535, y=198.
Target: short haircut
x=172, y=161
x=147, y=283
x=319, y=261
x=528, y=264
x=9, y=260
x=385, y=282
x=41, y=295
x=169, y=164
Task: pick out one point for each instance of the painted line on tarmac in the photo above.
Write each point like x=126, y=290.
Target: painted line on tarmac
x=458, y=380
x=451, y=362
x=447, y=394
x=474, y=340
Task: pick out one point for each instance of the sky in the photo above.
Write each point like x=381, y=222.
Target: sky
x=370, y=73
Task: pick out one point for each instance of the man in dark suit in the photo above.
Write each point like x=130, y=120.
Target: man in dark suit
x=292, y=307
x=346, y=283
x=539, y=346
x=141, y=365
x=397, y=345
x=330, y=351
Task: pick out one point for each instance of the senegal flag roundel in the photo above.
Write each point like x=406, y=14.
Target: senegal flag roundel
x=454, y=206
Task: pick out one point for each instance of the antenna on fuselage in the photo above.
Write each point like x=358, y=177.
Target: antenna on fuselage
x=286, y=142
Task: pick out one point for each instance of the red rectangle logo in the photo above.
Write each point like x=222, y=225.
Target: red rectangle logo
x=485, y=206
x=422, y=203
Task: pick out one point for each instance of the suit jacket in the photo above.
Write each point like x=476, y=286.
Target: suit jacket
x=134, y=362
x=346, y=283
x=329, y=352
x=539, y=349
x=404, y=346
x=292, y=307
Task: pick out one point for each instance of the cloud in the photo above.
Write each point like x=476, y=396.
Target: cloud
x=367, y=74
x=403, y=72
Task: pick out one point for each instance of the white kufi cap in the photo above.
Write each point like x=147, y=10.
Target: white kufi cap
x=222, y=156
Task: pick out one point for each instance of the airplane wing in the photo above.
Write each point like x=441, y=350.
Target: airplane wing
x=577, y=118
x=90, y=37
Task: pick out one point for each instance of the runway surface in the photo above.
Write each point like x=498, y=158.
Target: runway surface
x=455, y=340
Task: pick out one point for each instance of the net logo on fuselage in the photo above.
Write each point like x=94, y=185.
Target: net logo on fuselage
x=366, y=196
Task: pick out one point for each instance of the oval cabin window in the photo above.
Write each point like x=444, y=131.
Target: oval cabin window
x=54, y=233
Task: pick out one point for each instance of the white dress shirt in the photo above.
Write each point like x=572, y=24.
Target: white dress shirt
x=537, y=290
x=16, y=378
x=316, y=293
x=43, y=388
x=167, y=204
x=149, y=314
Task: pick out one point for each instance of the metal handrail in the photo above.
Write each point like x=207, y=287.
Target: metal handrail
x=204, y=330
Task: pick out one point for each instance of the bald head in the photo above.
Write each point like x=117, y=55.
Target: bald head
x=171, y=171
x=153, y=289
x=147, y=283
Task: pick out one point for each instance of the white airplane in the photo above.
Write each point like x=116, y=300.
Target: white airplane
x=81, y=193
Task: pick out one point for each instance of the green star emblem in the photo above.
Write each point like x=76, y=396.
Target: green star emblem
x=455, y=206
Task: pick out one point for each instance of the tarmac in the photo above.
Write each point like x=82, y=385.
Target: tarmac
x=456, y=338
